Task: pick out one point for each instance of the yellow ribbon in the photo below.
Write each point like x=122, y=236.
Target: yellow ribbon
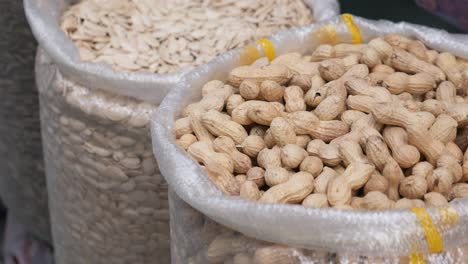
x=356, y=37
x=268, y=48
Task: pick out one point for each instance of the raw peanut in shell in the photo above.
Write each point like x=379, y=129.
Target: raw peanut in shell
x=454, y=150
x=413, y=187
x=292, y=155
x=322, y=181
x=355, y=176
x=294, y=99
x=444, y=129
x=331, y=70
x=242, y=162
x=240, y=113
x=303, y=140
x=263, y=113
x=282, y=131
x=330, y=155
x=219, y=126
x=377, y=183
x=211, y=87
x=351, y=152
x=198, y=128
x=276, y=175
x=323, y=52
x=350, y=116
x=242, y=258
x=257, y=175
x=317, y=91
x=241, y=178
x=203, y=152
x=233, y=101
x=312, y=165
x=415, y=47
x=435, y=199
x=258, y=131
x=274, y=72
x=407, y=62
x=313, y=148
x=271, y=91
x=186, y=140
x=295, y=190
x=441, y=181
x=182, y=126
x=459, y=190
x=382, y=68
x=316, y=200
x=269, y=158
x=400, y=82
x=383, y=49
x=252, y=145
x=269, y=140
x=249, y=190
x=397, y=140
x=249, y=89
x=370, y=57
x=448, y=63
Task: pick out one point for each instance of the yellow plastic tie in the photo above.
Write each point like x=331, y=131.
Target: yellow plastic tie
x=356, y=37
x=268, y=48
x=249, y=54
x=448, y=215
x=433, y=237
x=327, y=34
x=416, y=258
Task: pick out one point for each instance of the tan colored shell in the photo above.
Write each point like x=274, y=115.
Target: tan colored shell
x=294, y=99
x=276, y=175
x=435, y=199
x=249, y=190
x=257, y=175
x=377, y=182
x=274, y=72
x=312, y=165
x=269, y=158
x=186, y=140
x=252, y=145
x=242, y=162
x=316, y=200
x=271, y=91
x=372, y=201
x=292, y=156
x=219, y=126
x=322, y=181
x=282, y=131
x=295, y=190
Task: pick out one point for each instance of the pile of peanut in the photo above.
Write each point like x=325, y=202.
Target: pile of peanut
x=164, y=36
x=371, y=126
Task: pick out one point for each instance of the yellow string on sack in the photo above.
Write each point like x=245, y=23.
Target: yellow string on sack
x=268, y=48
x=416, y=258
x=356, y=37
x=433, y=237
x=249, y=54
x=327, y=34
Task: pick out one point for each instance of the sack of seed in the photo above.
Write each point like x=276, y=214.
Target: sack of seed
x=22, y=185
x=104, y=68
x=323, y=151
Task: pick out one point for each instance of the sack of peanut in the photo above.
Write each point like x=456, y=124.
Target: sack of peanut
x=340, y=142
x=22, y=185
x=103, y=68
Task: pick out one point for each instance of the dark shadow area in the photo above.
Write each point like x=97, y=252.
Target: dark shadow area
x=397, y=11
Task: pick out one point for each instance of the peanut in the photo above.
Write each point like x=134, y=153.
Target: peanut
x=203, y=152
x=252, y=145
x=249, y=89
x=242, y=162
x=397, y=140
x=294, y=99
x=444, y=129
x=241, y=178
x=295, y=190
x=274, y=72
x=276, y=175
x=372, y=201
x=263, y=113
x=233, y=101
x=459, y=190
x=258, y=131
x=415, y=47
x=269, y=158
x=269, y=140
x=257, y=175
x=355, y=176
x=312, y=165
x=182, y=126
x=448, y=63
x=407, y=62
x=219, y=126
x=186, y=140
x=314, y=146
x=303, y=140
x=331, y=70
x=271, y=91
x=316, y=200
x=282, y=131
x=307, y=123
x=322, y=181
x=198, y=128
x=317, y=91
x=292, y=156
x=377, y=182
x=249, y=190
x=350, y=116
x=435, y=199
x=400, y=82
